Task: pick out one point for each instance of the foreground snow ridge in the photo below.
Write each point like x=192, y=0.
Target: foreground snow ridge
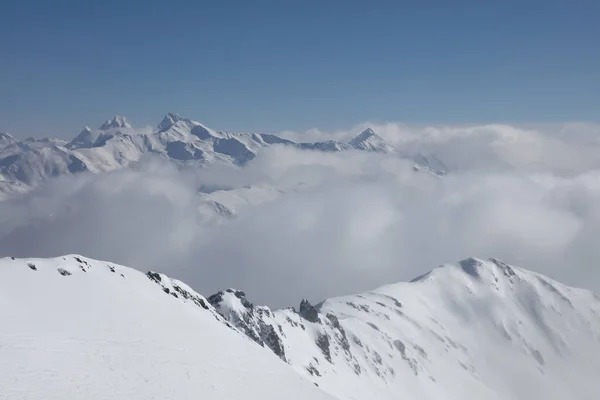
x=77, y=328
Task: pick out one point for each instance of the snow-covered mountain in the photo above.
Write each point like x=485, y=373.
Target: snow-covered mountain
x=74, y=328
x=116, y=144
x=479, y=329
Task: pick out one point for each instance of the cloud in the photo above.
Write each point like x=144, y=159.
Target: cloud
x=563, y=149
x=316, y=225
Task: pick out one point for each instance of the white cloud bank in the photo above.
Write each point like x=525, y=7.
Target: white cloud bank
x=344, y=222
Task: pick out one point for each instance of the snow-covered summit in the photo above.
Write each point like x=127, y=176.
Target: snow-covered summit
x=116, y=122
x=168, y=120
x=6, y=139
x=86, y=138
x=179, y=140
x=364, y=135
x=370, y=141
x=471, y=330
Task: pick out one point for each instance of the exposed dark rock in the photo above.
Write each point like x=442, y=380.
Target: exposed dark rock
x=252, y=322
x=377, y=358
x=343, y=340
x=372, y=325
x=323, y=343
x=313, y=370
x=273, y=341
x=31, y=265
x=217, y=298
x=189, y=296
x=81, y=261
x=308, y=311
x=63, y=272
x=334, y=321
x=400, y=346
x=153, y=276
x=357, y=341
x=420, y=350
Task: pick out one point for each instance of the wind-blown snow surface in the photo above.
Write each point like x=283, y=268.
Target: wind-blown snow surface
x=480, y=329
x=74, y=328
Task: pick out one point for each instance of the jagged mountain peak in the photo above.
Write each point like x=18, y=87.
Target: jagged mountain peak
x=168, y=120
x=116, y=145
x=370, y=141
x=84, y=139
x=6, y=138
x=364, y=135
x=116, y=122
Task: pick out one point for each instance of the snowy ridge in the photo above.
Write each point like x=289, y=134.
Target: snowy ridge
x=476, y=329
x=76, y=328
x=472, y=330
x=116, y=144
x=116, y=122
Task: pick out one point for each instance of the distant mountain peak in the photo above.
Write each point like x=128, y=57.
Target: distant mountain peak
x=363, y=136
x=369, y=140
x=117, y=122
x=6, y=137
x=168, y=120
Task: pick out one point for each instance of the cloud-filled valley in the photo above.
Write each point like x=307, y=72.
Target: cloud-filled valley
x=318, y=224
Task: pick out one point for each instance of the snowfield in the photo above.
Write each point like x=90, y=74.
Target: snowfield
x=76, y=328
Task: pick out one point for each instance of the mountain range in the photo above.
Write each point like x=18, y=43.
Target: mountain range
x=116, y=144
x=74, y=328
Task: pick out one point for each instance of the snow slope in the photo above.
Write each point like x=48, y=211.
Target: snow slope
x=479, y=329
x=75, y=328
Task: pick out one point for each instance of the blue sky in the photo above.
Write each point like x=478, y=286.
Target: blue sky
x=275, y=65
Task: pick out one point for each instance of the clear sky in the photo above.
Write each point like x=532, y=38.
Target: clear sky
x=283, y=64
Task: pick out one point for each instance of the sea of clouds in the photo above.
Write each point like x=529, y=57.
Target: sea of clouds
x=336, y=223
